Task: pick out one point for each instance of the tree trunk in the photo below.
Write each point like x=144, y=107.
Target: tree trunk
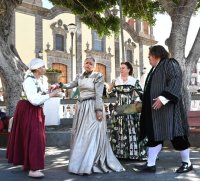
x=185, y=90
x=11, y=67
x=11, y=71
x=180, y=16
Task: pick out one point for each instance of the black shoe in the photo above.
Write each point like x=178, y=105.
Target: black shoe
x=145, y=168
x=184, y=168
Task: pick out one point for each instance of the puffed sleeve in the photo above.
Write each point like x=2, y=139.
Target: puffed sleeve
x=99, y=86
x=137, y=85
x=172, y=90
x=32, y=94
x=71, y=84
x=138, y=90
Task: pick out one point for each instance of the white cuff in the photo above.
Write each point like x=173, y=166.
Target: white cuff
x=163, y=100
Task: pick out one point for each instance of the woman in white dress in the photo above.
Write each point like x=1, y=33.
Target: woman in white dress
x=90, y=147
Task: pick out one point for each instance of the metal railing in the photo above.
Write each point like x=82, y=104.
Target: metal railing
x=195, y=102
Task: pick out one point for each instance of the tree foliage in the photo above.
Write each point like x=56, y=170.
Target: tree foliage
x=97, y=15
x=92, y=14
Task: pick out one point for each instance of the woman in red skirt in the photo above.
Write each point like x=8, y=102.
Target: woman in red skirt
x=26, y=145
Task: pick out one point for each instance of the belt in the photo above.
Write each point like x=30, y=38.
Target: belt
x=86, y=99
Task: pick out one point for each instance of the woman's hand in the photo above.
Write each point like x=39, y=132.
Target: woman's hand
x=99, y=115
x=54, y=87
x=111, y=85
x=55, y=93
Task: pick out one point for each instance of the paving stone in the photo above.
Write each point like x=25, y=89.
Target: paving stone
x=57, y=159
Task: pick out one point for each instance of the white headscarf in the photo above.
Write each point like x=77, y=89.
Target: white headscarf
x=36, y=63
x=33, y=65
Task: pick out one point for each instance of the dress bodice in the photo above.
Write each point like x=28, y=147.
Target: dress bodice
x=86, y=87
x=125, y=93
x=35, y=91
x=89, y=86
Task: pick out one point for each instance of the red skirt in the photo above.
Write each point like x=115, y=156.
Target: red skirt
x=26, y=144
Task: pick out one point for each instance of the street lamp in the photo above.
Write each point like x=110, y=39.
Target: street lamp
x=114, y=12
x=72, y=30
x=121, y=27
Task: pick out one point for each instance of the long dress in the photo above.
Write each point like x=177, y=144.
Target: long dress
x=90, y=147
x=124, y=135
x=26, y=144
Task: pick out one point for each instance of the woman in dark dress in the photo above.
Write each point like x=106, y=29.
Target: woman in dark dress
x=125, y=128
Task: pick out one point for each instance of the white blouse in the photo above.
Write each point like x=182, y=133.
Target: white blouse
x=31, y=86
x=130, y=81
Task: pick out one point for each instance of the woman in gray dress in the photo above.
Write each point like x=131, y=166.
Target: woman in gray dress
x=90, y=148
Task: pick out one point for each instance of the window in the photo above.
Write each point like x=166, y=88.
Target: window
x=101, y=68
x=59, y=42
x=132, y=23
x=145, y=28
x=129, y=55
x=98, y=44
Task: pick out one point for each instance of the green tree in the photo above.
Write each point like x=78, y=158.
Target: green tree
x=96, y=14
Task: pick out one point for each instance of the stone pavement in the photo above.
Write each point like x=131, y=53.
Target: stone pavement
x=57, y=160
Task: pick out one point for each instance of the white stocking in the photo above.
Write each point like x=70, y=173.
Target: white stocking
x=185, y=156
x=152, y=154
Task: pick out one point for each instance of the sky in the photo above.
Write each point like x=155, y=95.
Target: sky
x=47, y=4
x=163, y=26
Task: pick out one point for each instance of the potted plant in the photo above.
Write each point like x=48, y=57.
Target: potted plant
x=53, y=75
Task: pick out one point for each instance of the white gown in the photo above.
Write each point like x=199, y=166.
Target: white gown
x=90, y=147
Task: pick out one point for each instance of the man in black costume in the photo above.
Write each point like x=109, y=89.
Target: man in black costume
x=163, y=114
